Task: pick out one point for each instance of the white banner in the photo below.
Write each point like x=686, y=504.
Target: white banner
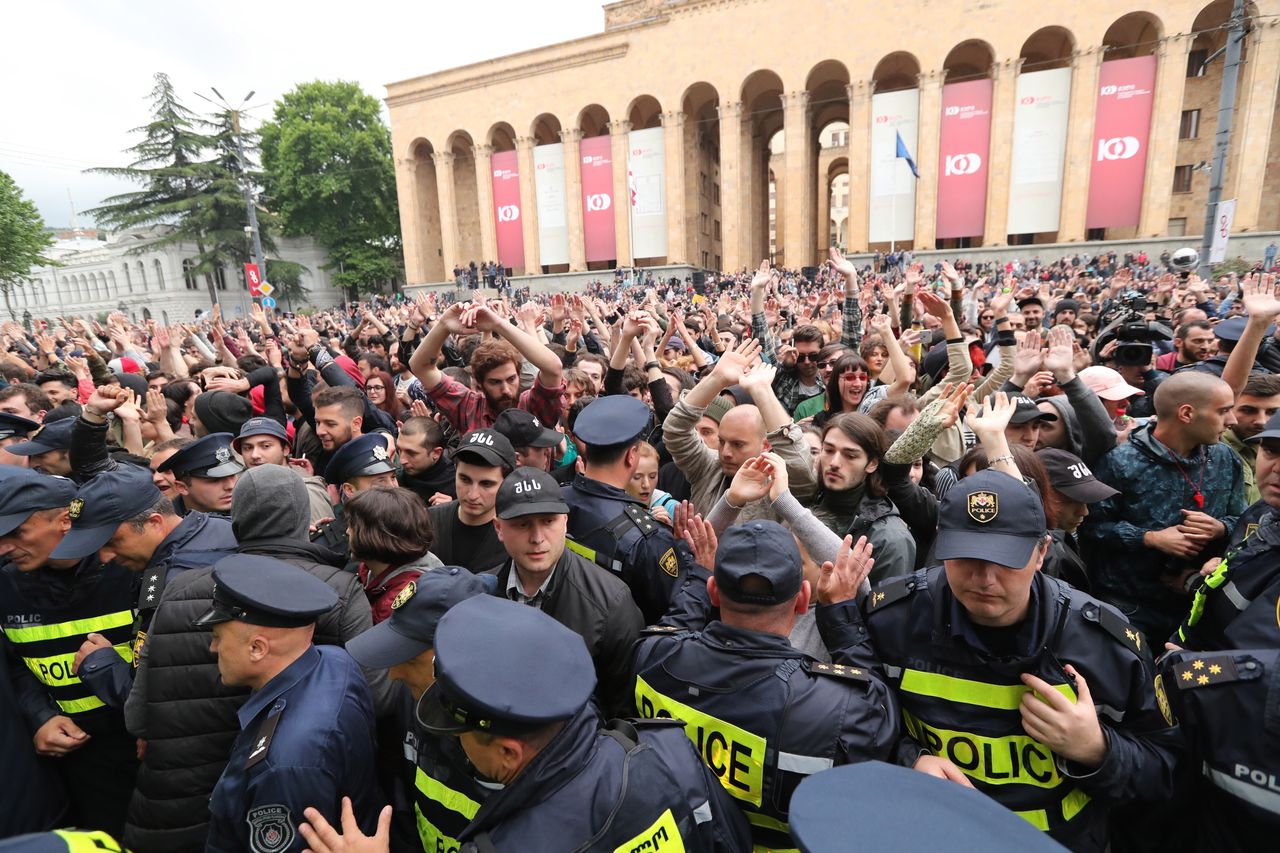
x=548, y=187
x=1039, y=150
x=893, y=187
x=1222, y=231
x=646, y=186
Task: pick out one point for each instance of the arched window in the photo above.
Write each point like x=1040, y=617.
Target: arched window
x=189, y=273
x=128, y=280
x=142, y=277
x=159, y=274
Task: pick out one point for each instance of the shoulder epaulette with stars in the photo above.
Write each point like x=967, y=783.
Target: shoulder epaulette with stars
x=838, y=670
x=659, y=630
x=888, y=593
x=1115, y=625
x=1207, y=670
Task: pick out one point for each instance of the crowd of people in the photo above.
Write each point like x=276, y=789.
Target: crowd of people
x=640, y=568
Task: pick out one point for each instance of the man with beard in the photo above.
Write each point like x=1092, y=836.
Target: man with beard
x=1192, y=344
x=495, y=366
x=339, y=418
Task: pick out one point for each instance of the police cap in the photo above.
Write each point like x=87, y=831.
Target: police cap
x=990, y=516
x=54, y=435
x=261, y=426
x=524, y=430
x=761, y=549
x=11, y=425
x=615, y=419
x=363, y=456
x=528, y=491
x=265, y=591
x=1270, y=430
x=1232, y=328
x=415, y=613
x=103, y=504
x=23, y=491
x=489, y=446
x=864, y=801
x=210, y=457
x=504, y=668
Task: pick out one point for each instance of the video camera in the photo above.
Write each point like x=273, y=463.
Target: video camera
x=1127, y=325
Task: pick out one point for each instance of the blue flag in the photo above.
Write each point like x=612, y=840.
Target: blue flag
x=906, y=155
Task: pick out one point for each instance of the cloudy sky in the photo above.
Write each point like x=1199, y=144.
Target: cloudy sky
x=74, y=75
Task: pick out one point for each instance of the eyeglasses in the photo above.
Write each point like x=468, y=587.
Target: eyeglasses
x=826, y=365
x=806, y=356
x=987, y=317
x=855, y=376
x=374, y=388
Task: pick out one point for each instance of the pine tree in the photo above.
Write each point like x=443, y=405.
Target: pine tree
x=23, y=239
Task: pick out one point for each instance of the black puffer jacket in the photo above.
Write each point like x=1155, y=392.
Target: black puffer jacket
x=179, y=704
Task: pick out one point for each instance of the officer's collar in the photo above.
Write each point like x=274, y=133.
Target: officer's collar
x=284, y=681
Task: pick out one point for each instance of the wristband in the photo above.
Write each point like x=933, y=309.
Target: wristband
x=1007, y=457
x=652, y=365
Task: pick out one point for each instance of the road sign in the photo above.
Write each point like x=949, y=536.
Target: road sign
x=266, y=289
x=254, y=279
x=268, y=302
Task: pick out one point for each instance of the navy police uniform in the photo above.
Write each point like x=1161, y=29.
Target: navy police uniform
x=438, y=780
x=763, y=714
x=45, y=613
x=306, y=736
x=959, y=683
x=209, y=457
x=362, y=456
x=15, y=427
x=512, y=671
x=1227, y=704
x=614, y=529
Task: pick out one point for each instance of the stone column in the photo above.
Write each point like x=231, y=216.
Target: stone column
x=1254, y=116
x=732, y=199
x=797, y=212
x=859, y=163
x=928, y=140
x=411, y=225
x=1085, y=66
x=484, y=196
x=822, y=230
x=619, y=140
x=1004, y=101
x=573, y=198
x=1162, y=149
x=528, y=205
x=677, y=226
x=448, y=210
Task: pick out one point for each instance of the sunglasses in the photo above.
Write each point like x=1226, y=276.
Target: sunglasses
x=826, y=365
x=806, y=356
x=855, y=376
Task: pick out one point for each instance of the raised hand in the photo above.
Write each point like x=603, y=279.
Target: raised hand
x=701, y=536
x=751, y=483
x=842, y=265
x=953, y=403
x=934, y=304
x=1259, y=296
x=841, y=580
x=1027, y=358
x=157, y=408
x=990, y=417
x=778, y=475
x=758, y=378
x=763, y=276
x=734, y=362
x=1060, y=360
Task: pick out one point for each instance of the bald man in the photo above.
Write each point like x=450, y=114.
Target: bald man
x=745, y=431
x=1181, y=490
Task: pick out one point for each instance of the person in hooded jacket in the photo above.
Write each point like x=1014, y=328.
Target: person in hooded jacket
x=179, y=705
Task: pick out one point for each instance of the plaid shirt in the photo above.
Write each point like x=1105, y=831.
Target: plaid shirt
x=467, y=410
x=786, y=385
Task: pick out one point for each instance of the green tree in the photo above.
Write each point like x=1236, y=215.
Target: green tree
x=23, y=239
x=326, y=155
x=286, y=278
x=190, y=181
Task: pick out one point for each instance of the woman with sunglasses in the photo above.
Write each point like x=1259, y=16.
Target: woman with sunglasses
x=851, y=377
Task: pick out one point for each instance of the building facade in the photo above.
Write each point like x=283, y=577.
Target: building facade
x=95, y=276
x=656, y=140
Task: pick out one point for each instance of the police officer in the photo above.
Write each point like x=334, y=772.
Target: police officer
x=608, y=525
x=307, y=728
x=1226, y=706
x=364, y=462
x=865, y=801
x=205, y=474
x=514, y=687
x=445, y=794
x=14, y=429
x=47, y=607
x=1015, y=683
x=1235, y=606
x=48, y=450
x=764, y=714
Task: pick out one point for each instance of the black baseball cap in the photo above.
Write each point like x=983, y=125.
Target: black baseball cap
x=23, y=491
x=415, y=613
x=102, y=505
x=763, y=549
x=990, y=516
x=504, y=668
x=528, y=491
x=1068, y=474
x=1026, y=410
x=490, y=446
x=524, y=430
x=54, y=435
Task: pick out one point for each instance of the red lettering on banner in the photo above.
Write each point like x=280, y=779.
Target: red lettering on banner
x=965, y=138
x=597, y=199
x=1122, y=129
x=506, y=209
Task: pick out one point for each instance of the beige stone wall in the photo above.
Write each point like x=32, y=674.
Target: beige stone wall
x=727, y=74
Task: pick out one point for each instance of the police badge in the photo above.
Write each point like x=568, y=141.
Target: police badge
x=271, y=829
x=223, y=455
x=983, y=506
x=75, y=508
x=380, y=452
x=404, y=595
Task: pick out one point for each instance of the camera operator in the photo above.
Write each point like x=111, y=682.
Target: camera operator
x=1126, y=344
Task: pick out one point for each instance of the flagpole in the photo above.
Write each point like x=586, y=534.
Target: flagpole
x=893, y=208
